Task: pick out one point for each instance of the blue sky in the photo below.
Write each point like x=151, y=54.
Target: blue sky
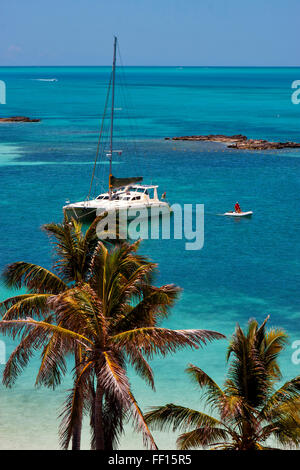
x=150, y=32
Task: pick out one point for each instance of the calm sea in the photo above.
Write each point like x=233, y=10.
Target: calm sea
x=247, y=268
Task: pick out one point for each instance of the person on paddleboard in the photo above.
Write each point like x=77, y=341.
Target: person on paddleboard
x=237, y=208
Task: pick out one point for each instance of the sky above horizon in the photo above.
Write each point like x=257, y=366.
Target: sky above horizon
x=150, y=32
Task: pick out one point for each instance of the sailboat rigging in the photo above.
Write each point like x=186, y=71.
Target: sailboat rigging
x=123, y=193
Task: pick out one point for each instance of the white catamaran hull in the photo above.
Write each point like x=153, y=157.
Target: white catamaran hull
x=88, y=210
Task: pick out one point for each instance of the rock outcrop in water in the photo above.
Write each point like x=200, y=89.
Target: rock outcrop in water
x=239, y=141
x=18, y=119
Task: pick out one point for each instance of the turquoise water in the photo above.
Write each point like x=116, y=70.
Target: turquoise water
x=247, y=268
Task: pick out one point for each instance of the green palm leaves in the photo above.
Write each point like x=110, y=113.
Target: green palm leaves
x=99, y=305
x=248, y=411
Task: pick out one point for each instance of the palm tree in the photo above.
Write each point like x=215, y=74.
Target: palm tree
x=120, y=279
x=112, y=330
x=248, y=411
x=73, y=254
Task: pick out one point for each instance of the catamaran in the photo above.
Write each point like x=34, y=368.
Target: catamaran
x=123, y=193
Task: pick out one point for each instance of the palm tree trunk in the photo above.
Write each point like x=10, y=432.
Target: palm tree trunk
x=99, y=431
x=76, y=434
x=247, y=435
x=92, y=415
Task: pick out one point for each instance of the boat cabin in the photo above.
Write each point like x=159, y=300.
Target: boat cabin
x=132, y=193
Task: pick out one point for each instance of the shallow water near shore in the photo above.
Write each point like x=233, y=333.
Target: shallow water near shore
x=247, y=268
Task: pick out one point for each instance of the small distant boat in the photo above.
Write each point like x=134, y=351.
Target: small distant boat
x=123, y=193
x=46, y=79
x=239, y=214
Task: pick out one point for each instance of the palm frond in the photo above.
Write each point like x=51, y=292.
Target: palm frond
x=53, y=364
x=26, y=305
x=112, y=378
x=152, y=340
x=288, y=394
x=215, y=395
x=19, y=358
x=90, y=239
x=275, y=341
x=67, y=240
x=35, y=278
x=120, y=290
x=153, y=307
x=97, y=269
x=247, y=370
x=287, y=431
x=141, y=366
x=23, y=327
x=120, y=263
x=79, y=309
x=141, y=424
x=202, y=437
x=178, y=418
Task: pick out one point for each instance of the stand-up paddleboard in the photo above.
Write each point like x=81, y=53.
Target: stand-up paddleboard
x=239, y=214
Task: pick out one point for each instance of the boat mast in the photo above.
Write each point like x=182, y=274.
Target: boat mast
x=112, y=116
